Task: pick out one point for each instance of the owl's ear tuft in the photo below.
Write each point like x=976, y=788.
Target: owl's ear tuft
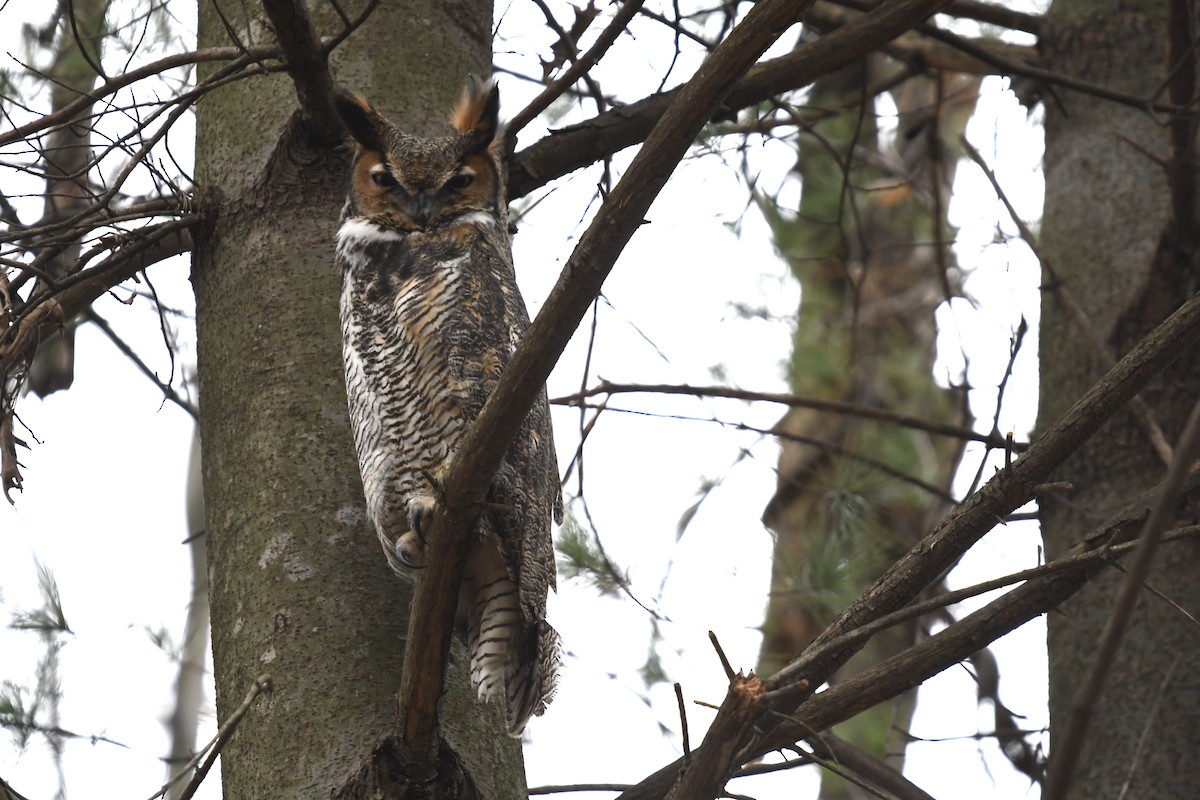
x=365, y=124
x=478, y=113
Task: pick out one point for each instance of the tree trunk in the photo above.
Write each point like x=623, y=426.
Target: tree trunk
x=79, y=44
x=300, y=589
x=1113, y=246
x=871, y=281
x=193, y=651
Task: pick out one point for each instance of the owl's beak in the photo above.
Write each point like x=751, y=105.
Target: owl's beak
x=422, y=208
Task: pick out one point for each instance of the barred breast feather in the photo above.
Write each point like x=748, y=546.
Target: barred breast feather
x=429, y=319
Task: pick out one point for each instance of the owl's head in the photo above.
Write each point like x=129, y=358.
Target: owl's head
x=408, y=183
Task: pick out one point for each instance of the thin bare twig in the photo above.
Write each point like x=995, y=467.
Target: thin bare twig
x=725, y=665
x=1135, y=757
x=261, y=684
x=573, y=73
x=792, y=401
x=683, y=723
x=168, y=391
x=68, y=112
x=1141, y=411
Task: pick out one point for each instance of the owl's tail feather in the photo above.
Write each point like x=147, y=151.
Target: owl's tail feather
x=492, y=626
x=532, y=684
x=510, y=660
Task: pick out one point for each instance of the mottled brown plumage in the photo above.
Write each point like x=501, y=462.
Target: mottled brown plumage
x=430, y=316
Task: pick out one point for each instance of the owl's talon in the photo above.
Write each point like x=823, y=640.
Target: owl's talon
x=410, y=547
x=410, y=550
x=420, y=515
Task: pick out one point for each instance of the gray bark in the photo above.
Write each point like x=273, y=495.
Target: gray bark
x=300, y=589
x=1107, y=217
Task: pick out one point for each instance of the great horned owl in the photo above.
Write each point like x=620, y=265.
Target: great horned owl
x=430, y=316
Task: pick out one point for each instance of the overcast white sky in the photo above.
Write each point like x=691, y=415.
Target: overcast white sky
x=103, y=506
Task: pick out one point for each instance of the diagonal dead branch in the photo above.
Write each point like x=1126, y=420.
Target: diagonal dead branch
x=262, y=684
x=487, y=439
x=1064, y=577
x=960, y=529
x=1010, y=488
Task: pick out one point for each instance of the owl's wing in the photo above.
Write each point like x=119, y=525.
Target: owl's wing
x=525, y=494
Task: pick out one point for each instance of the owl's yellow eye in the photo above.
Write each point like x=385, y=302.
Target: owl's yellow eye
x=383, y=179
x=460, y=181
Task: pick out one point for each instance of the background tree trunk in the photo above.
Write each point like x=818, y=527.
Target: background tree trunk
x=78, y=48
x=300, y=589
x=865, y=250
x=193, y=650
x=1111, y=241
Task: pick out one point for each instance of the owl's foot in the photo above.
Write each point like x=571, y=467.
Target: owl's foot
x=410, y=548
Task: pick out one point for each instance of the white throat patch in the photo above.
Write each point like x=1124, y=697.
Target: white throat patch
x=360, y=232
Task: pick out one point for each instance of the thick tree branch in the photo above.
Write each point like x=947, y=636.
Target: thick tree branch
x=1012, y=487
x=308, y=65
x=918, y=568
x=709, y=767
x=42, y=315
x=925, y=51
x=577, y=146
x=485, y=442
x=1007, y=66
x=957, y=642
x=1113, y=539
x=995, y=14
